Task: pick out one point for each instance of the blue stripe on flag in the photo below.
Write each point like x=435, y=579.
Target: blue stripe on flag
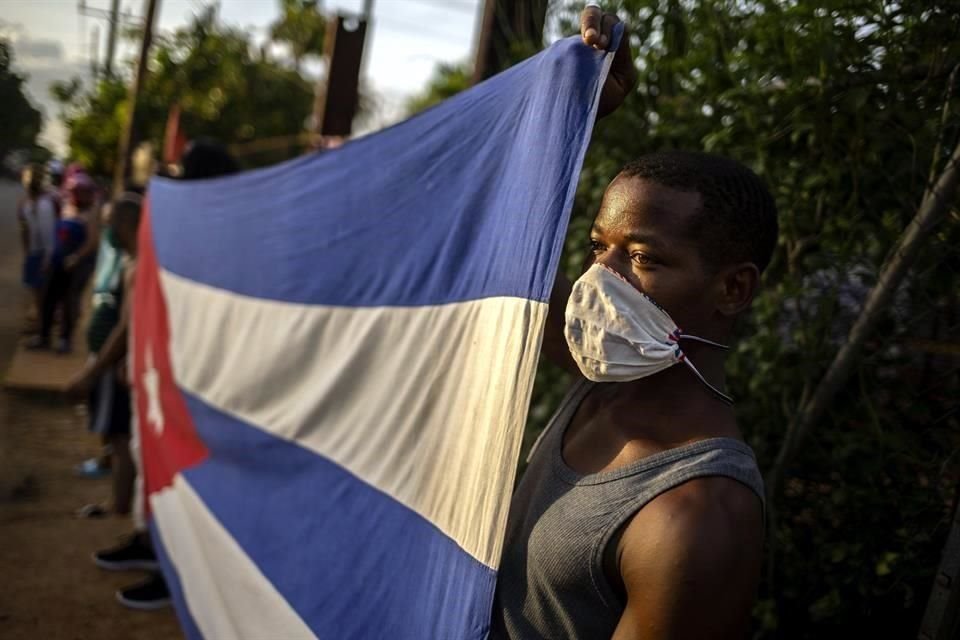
x=323, y=537
x=467, y=200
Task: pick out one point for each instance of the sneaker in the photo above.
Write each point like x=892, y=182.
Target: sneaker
x=92, y=468
x=90, y=511
x=149, y=595
x=132, y=555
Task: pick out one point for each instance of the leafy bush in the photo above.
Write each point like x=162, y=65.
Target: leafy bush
x=226, y=90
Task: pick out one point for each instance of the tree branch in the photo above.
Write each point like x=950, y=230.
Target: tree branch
x=935, y=205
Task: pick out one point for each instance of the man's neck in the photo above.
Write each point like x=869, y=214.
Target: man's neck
x=673, y=407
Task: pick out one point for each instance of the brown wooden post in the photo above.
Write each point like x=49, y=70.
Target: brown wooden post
x=336, y=102
x=126, y=138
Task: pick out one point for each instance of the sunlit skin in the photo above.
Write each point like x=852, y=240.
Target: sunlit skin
x=688, y=562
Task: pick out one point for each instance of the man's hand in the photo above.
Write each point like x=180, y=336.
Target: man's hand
x=596, y=29
x=80, y=384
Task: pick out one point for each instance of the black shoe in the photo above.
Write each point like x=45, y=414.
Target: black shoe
x=131, y=555
x=146, y=596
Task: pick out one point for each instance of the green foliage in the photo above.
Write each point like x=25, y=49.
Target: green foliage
x=94, y=120
x=302, y=27
x=20, y=122
x=839, y=106
x=447, y=81
x=225, y=91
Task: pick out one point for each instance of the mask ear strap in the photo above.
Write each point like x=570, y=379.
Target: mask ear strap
x=684, y=336
x=716, y=392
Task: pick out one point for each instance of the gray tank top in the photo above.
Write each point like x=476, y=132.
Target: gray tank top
x=551, y=582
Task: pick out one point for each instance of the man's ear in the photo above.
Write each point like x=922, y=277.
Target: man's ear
x=737, y=285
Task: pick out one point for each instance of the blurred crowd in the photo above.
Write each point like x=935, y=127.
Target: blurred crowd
x=59, y=228
x=80, y=244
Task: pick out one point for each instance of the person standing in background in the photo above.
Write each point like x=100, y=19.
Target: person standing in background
x=74, y=255
x=36, y=215
x=102, y=379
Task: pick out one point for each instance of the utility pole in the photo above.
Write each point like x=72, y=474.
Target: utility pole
x=95, y=52
x=112, y=37
x=114, y=19
x=510, y=28
x=367, y=14
x=139, y=78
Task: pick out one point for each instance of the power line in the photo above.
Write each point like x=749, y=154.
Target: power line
x=402, y=25
x=450, y=4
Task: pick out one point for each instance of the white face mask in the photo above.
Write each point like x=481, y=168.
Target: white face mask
x=616, y=334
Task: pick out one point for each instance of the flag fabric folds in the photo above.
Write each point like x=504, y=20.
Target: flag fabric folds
x=333, y=359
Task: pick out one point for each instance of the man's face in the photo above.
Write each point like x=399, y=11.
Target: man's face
x=124, y=232
x=643, y=232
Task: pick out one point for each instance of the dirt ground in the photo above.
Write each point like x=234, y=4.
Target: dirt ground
x=49, y=587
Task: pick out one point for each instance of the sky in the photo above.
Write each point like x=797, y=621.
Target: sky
x=52, y=41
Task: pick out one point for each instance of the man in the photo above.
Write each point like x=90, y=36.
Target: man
x=74, y=255
x=641, y=512
x=104, y=374
x=37, y=216
x=202, y=159
x=109, y=397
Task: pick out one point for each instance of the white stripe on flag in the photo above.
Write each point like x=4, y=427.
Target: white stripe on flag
x=226, y=593
x=437, y=422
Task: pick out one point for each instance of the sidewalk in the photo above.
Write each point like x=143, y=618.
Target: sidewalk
x=41, y=370
x=44, y=370
x=50, y=588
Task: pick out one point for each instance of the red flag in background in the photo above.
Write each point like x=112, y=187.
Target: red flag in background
x=174, y=138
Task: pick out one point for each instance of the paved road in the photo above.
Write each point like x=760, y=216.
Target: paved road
x=49, y=588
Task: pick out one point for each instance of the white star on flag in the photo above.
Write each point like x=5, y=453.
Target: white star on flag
x=151, y=383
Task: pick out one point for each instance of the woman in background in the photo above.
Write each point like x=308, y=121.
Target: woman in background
x=37, y=216
x=74, y=257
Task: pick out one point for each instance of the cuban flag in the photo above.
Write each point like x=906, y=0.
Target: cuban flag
x=333, y=359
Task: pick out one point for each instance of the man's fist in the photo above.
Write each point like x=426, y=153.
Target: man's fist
x=596, y=29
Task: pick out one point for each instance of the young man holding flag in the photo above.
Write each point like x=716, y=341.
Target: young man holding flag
x=641, y=512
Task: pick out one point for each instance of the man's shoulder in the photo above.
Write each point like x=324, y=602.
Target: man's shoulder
x=704, y=522
x=718, y=501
